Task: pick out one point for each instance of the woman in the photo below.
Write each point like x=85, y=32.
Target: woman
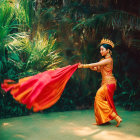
x=104, y=106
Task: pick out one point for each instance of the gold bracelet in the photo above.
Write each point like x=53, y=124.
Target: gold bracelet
x=85, y=65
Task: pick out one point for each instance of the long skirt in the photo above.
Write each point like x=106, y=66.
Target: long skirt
x=104, y=104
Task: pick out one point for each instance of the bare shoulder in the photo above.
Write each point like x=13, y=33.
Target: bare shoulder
x=110, y=59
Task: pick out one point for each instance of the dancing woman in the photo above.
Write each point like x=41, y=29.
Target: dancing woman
x=103, y=105
x=43, y=90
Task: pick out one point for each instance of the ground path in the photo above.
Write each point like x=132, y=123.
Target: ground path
x=70, y=125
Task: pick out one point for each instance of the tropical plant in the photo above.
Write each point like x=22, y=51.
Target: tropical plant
x=7, y=25
x=33, y=56
x=22, y=52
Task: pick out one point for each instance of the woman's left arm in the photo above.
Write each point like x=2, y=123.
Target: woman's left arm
x=100, y=63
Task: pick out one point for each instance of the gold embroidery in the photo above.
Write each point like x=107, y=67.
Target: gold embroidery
x=107, y=76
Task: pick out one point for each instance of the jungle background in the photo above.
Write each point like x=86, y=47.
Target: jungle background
x=38, y=35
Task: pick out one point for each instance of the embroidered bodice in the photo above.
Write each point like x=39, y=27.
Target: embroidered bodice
x=106, y=72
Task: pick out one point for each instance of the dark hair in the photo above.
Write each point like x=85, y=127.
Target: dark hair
x=107, y=46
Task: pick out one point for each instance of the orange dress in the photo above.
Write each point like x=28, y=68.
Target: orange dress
x=103, y=104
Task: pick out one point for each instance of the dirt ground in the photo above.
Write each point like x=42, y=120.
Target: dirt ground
x=70, y=125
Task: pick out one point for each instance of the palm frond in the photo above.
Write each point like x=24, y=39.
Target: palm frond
x=37, y=55
x=112, y=19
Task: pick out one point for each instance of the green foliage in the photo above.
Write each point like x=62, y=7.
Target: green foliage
x=10, y=107
x=33, y=35
x=33, y=56
x=111, y=19
x=6, y=25
x=23, y=52
x=127, y=74
x=25, y=15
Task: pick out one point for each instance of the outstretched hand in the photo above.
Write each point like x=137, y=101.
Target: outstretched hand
x=80, y=65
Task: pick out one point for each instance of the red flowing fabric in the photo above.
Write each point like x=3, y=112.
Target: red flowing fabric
x=111, y=88
x=40, y=91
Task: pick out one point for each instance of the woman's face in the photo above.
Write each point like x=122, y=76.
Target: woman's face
x=103, y=51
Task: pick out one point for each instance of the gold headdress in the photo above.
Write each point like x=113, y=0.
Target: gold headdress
x=107, y=41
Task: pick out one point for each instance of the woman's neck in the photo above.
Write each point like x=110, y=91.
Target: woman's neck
x=108, y=56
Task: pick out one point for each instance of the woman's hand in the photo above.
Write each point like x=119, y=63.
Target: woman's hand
x=80, y=65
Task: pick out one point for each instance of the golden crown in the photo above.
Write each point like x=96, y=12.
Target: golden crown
x=107, y=41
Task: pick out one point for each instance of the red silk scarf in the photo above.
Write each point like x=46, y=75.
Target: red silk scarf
x=40, y=91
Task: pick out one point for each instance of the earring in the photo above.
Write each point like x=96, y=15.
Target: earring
x=110, y=52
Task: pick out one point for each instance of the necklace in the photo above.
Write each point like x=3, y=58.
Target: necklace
x=108, y=56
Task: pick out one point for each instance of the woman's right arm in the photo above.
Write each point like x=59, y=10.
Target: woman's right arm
x=100, y=63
